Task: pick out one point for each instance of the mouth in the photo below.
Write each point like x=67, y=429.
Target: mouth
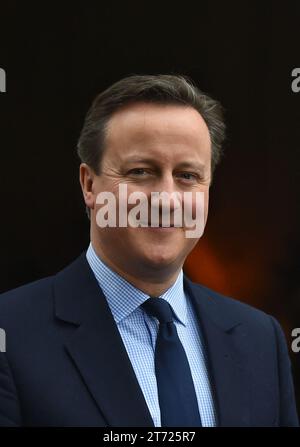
x=160, y=227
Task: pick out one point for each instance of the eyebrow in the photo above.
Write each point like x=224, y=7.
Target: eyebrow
x=192, y=164
x=183, y=164
x=140, y=160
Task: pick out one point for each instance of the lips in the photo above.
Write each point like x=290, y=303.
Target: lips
x=148, y=225
x=161, y=226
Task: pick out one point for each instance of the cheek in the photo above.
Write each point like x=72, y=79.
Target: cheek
x=196, y=205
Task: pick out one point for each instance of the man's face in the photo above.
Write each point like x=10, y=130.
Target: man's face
x=151, y=148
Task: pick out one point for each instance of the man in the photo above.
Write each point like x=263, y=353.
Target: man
x=121, y=337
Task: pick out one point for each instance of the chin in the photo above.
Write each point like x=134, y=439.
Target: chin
x=160, y=258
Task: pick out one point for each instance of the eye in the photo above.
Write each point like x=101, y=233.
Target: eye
x=137, y=171
x=188, y=176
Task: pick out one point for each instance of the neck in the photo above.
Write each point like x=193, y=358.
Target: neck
x=152, y=282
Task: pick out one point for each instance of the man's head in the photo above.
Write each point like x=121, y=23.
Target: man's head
x=152, y=133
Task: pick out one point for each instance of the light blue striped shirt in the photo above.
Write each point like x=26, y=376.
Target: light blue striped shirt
x=139, y=331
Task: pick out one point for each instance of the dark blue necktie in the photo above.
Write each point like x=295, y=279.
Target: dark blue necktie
x=176, y=392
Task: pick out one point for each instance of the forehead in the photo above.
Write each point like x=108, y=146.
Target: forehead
x=161, y=123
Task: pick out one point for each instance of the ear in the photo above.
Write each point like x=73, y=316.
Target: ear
x=86, y=178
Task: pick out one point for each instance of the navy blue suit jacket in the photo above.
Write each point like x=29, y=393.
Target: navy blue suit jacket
x=65, y=363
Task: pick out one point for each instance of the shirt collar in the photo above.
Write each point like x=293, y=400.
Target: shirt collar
x=123, y=297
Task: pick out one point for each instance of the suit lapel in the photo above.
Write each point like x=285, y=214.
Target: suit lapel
x=219, y=330
x=97, y=349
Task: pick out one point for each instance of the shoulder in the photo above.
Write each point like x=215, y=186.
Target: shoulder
x=39, y=291
x=229, y=311
x=25, y=300
x=33, y=302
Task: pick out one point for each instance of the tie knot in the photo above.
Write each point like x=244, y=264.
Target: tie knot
x=159, y=308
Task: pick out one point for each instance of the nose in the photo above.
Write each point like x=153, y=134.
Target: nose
x=166, y=183
x=166, y=198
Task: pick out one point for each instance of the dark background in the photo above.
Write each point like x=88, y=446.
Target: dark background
x=58, y=58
